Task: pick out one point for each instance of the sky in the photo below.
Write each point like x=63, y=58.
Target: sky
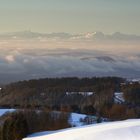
x=72, y=16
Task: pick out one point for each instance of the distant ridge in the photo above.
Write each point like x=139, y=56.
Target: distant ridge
x=63, y=35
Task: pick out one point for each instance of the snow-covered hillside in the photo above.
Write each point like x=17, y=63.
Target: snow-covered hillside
x=123, y=130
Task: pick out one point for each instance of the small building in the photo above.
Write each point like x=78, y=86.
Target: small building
x=80, y=93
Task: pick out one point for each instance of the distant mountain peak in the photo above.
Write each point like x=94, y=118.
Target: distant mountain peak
x=62, y=35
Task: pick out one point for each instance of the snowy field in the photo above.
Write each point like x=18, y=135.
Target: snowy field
x=3, y=111
x=75, y=118
x=122, y=130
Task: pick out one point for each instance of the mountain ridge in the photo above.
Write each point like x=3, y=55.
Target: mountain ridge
x=63, y=35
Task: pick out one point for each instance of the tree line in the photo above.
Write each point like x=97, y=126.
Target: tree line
x=19, y=124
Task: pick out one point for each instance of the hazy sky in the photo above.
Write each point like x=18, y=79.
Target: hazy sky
x=73, y=16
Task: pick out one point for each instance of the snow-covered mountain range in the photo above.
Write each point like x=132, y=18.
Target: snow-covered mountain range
x=63, y=35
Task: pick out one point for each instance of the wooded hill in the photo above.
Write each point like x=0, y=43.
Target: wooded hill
x=51, y=94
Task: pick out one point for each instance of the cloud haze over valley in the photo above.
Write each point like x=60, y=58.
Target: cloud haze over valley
x=27, y=55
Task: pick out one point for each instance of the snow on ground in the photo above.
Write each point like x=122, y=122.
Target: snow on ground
x=75, y=119
x=80, y=93
x=122, y=130
x=82, y=119
x=41, y=134
x=118, y=97
x=3, y=111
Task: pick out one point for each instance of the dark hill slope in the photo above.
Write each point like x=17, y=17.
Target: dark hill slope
x=51, y=92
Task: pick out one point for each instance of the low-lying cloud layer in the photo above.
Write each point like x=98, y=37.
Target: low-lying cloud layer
x=22, y=58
